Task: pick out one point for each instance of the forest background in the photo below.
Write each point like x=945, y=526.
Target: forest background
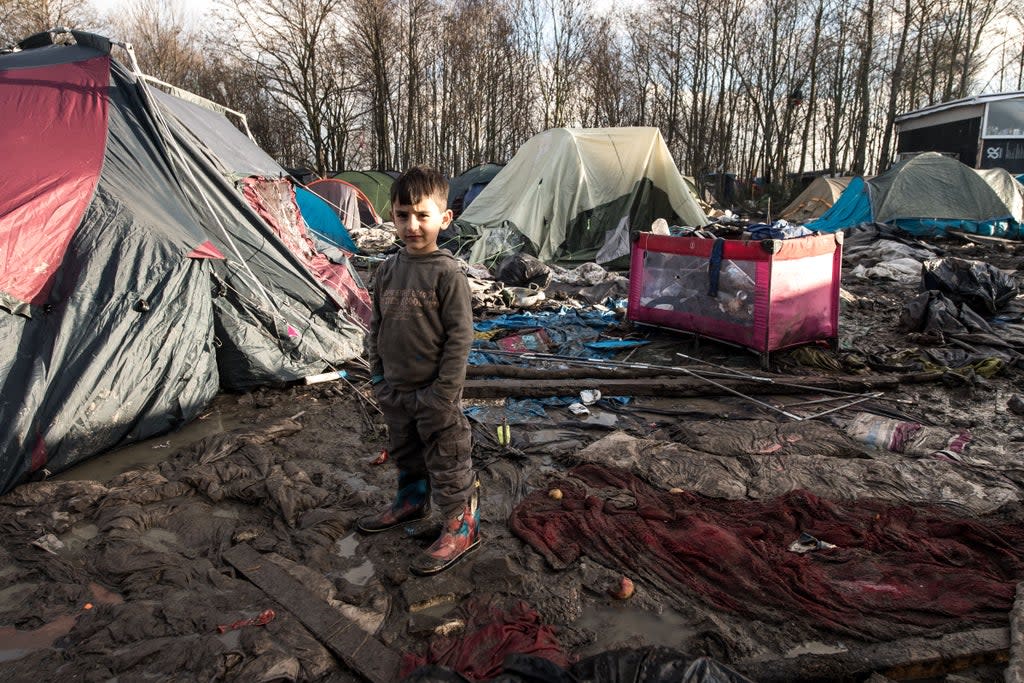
x=771, y=89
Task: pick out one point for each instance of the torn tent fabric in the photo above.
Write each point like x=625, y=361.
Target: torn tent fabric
x=896, y=570
x=274, y=200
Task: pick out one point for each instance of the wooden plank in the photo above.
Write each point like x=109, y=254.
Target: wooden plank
x=357, y=649
x=1015, y=669
x=683, y=386
x=907, y=659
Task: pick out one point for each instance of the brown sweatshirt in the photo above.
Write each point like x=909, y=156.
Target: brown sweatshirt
x=422, y=325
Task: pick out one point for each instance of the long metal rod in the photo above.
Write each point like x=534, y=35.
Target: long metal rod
x=706, y=376
x=866, y=397
x=824, y=390
x=703, y=376
x=742, y=395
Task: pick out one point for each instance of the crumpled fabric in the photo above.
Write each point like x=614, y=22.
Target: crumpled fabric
x=490, y=635
x=896, y=570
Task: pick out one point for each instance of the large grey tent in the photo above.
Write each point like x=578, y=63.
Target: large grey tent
x=134, y=279
x=578, y=194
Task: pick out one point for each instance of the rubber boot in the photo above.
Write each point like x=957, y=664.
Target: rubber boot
x=459, y=536
x=411, y=504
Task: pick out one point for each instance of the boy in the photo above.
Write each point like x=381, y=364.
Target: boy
x=420, y=335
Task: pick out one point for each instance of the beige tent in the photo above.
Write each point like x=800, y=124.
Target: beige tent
x=816, y=199
x=576, y=195
x=1007, y=188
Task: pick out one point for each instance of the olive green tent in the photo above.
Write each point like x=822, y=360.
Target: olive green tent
x=376, y=185
x=577, y=195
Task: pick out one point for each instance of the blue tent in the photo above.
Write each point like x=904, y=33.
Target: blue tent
x=929, y=194
x=323, y=219
x=852, y=208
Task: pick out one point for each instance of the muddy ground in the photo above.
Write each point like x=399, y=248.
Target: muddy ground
x=121, y=575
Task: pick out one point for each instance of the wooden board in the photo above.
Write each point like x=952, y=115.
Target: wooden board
x=683, y=386
x=359, y=650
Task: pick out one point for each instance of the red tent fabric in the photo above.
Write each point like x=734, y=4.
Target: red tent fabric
x=47, y=187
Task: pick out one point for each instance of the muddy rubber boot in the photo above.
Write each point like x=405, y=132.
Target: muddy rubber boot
x=411, y=504
x=460, y=535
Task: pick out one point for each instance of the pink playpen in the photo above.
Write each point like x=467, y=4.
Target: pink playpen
x=764, y=295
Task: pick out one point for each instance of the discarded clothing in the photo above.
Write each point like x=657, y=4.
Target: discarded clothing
x=490, y=635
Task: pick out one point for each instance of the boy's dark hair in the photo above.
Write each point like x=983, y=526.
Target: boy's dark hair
x=420, y=182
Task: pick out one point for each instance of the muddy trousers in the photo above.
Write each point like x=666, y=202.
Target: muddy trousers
x=429, y=438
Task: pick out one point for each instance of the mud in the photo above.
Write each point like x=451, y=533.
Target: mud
x=114, y=570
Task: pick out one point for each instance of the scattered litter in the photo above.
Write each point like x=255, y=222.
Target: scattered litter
x=262, y=619
x=807, y=543
x=504, y=433
x=623, y=590
x=590, y=396
x=381, y=458
x=601, y=419
x=910, y=438
x=49, y=543
x=526, y=341
x=579, y=409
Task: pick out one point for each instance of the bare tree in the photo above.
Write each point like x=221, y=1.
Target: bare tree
x=296, y=47
x=558, y=28
x=165, y=41
x=21, y=18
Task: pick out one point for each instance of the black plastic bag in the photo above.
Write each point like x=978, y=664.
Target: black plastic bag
x=980, y=285
x=523, y=270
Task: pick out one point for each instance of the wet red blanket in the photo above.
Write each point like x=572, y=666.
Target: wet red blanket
x=895, y=570
x=490, y=635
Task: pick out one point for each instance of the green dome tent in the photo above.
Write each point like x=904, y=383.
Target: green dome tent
x=376, y=185
x=928, y=194
x=577, y=195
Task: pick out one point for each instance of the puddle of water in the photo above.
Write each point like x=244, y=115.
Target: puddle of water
x=107, y=465
x=815, y=648
x=160, y=540
x=104, y=596
x=346, y=545
x=76, y=537
x=15, y=644
x=360, y=574
x=618, y=623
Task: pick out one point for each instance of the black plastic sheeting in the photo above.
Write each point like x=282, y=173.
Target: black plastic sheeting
x=979, y=285
x=643, y=665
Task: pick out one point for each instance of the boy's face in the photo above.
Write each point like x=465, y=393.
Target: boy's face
x=418, y=224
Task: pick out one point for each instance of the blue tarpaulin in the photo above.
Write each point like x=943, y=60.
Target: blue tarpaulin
x=323, y=219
